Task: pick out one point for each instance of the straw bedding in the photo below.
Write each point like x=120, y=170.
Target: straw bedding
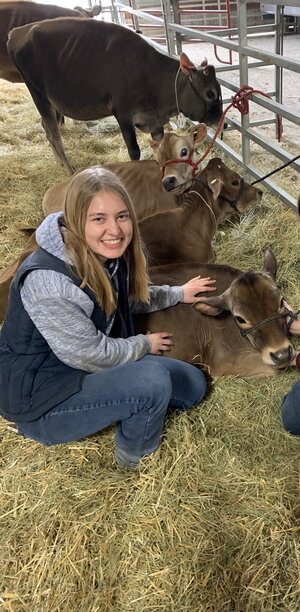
x=210, y=523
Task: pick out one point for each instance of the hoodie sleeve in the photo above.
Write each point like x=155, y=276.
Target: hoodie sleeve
x=62, y=314
x=160, y=297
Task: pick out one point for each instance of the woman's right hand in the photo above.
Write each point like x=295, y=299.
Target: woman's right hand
x=160, y=342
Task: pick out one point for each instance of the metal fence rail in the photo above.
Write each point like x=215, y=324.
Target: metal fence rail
x=175, y=33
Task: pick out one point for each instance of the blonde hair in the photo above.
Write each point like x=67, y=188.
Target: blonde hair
x=81, y=190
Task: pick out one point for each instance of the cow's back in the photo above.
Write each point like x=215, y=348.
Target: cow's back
x=16, y=14
x=81, y=65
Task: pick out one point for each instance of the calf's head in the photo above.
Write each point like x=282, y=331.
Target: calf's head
x=228, y=186
x=256, y=305
x=177, y=177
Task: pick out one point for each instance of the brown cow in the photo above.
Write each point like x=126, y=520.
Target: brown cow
x=143, y=179
x=185, y=233
x=214, y=340
x=14, y=14
x=87, y=69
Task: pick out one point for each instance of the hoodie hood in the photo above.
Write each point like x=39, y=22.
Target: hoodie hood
x=49, y=237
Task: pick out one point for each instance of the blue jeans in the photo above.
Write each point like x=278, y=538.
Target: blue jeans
x=135, y=396
x=290, y=410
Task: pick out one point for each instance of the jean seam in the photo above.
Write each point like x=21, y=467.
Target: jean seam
x=92, y=407
x=149, y=414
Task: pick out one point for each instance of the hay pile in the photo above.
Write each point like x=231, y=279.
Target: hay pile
x=211, y=522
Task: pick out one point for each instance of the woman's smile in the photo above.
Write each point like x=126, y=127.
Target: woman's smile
x=108, y=229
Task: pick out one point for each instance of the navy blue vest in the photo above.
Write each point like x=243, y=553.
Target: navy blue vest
x=32, y=379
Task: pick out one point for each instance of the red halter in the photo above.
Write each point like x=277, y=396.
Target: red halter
x=182, y=161
x=239, y=101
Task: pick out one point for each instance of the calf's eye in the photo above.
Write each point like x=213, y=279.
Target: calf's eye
x=239, y=319
x=183, y=153
x=235, y=182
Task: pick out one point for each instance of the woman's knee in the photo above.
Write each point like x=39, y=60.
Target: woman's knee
x=290, y=410
x=155, y=380
x=188, y=382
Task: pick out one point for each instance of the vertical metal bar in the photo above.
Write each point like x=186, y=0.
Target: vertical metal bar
x=242, y=33
x=168, y=18
x=176, y=15
x=114, y=12
x=135, y=19
x=279, y=26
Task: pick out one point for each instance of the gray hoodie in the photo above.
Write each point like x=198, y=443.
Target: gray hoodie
x=62, y=312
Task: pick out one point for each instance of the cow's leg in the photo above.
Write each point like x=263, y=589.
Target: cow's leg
x=157, y=134
x=60, y=118
x=128, y=133
x=49, y=123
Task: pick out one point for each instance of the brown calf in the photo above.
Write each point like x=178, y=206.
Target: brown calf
x=185, y=233
x=143, y=179
x=214, y=340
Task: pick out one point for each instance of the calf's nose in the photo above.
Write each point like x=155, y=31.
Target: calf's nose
x=283, y=356
x=169, y=182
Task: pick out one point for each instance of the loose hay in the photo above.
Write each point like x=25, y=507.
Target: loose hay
x=211, y=522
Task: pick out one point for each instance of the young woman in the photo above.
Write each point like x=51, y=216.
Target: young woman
x=290, y=410
x=70, y=363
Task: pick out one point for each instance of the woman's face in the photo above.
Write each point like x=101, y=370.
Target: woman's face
x=108, y=228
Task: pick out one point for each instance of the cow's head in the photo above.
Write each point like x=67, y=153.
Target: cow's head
x=253, y=299
x=175, y=146
x=229, y=187
x=199, y=97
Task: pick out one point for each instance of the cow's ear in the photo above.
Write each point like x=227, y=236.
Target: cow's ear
x=213, y=305
x=204, y=63
x=198, y=133
x=215, y=185
x=270, y=263
x=186, y=64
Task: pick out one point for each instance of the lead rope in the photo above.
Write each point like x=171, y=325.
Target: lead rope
x=209, y=208
x=240, y=102
x=180, y=116
x=276, y=170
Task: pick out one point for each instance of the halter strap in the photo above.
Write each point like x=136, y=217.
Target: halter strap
x=232, y=203
x=287, y=313
x=181, y=161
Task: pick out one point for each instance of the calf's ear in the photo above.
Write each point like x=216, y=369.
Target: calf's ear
x=270, y=263
x=213, y=305
x=186, y=64
x=198, y=133
x=215, y=185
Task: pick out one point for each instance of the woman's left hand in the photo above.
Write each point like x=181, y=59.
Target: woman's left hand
x=196, y=285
